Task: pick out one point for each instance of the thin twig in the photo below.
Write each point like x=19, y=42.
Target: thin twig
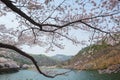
x=21, y=33
x=53, y=11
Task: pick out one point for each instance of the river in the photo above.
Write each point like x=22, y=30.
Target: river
x=73, y=75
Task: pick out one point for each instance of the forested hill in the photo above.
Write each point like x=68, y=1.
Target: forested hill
x=96, y=57
x=61, y=57
x=41, y=59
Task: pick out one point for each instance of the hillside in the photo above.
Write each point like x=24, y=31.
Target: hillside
x=45, y=60
x=61, y=57
x=41, y=59
x=96, y=57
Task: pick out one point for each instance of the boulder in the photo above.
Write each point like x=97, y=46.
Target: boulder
x=11, y=64
x=2, y=60
x=25, y=66
x=1, y=65
x=8, y=63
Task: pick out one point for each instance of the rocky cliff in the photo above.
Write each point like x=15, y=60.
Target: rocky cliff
x=96, y=57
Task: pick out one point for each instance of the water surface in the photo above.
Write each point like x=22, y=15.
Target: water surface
x=73, y=75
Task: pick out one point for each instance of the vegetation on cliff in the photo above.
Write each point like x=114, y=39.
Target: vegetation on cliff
x=96, y=57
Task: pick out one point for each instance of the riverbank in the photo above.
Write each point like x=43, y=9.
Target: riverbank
x=110, y=69
x=8, y=70
x=7, y=65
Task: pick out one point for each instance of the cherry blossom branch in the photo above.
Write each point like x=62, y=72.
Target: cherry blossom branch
x=21, y=13
x=105, y=15
x=9, y=4
x=73, y=40
x=53, y=11
x=12, y=47
x=95, y=28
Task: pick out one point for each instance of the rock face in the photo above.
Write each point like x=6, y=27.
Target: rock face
x=111, y=69
x=8, y=65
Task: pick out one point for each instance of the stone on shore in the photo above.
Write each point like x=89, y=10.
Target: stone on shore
x=8, y=65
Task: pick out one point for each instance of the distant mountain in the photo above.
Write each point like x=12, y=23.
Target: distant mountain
x=61, y=57
x=41, y=59
x=44, y=60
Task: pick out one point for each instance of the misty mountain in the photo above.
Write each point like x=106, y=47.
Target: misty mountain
x=42, y=60
x=61, y=57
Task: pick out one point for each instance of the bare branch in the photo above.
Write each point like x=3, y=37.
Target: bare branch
x=22, y=32
x=34, y=35
x=75, y=22
x=74, y=41
x=92, y=37
x=95, y=28
x=106, y=15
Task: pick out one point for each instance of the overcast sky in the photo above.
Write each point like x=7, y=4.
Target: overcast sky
x=70, y=49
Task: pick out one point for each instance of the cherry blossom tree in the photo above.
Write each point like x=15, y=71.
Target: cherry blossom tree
x=49, y=22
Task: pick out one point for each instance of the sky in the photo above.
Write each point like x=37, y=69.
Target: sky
x=69, y=49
